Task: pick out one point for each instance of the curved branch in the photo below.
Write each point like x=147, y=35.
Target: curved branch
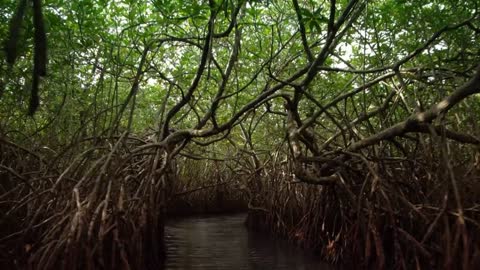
x=196, y=80
x=301, y=26
x=415, y=122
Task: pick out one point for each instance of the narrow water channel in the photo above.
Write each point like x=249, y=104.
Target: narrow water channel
x=222, y=242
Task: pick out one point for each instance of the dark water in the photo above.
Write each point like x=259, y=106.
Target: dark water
x=222, y=242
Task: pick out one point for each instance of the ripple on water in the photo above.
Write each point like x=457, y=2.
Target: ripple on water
x=222, y=242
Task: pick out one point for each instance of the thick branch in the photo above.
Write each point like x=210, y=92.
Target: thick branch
x=308, y=178
x=416, y=120
x=303, y=35
x=233, y=21
x=453, y=135
x=196, y=80
x=225, y=78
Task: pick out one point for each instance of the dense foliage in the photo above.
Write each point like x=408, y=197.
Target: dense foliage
x=363, y=110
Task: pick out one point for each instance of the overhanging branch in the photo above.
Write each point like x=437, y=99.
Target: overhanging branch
x=415, y=122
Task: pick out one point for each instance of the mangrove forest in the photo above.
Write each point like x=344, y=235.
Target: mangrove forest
x=348, y=130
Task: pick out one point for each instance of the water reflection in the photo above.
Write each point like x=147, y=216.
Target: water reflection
x=224, y=243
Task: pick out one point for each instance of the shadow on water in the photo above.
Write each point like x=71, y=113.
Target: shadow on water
x=222, y=242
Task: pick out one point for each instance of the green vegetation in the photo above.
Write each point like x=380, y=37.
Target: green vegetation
x=349, y=127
